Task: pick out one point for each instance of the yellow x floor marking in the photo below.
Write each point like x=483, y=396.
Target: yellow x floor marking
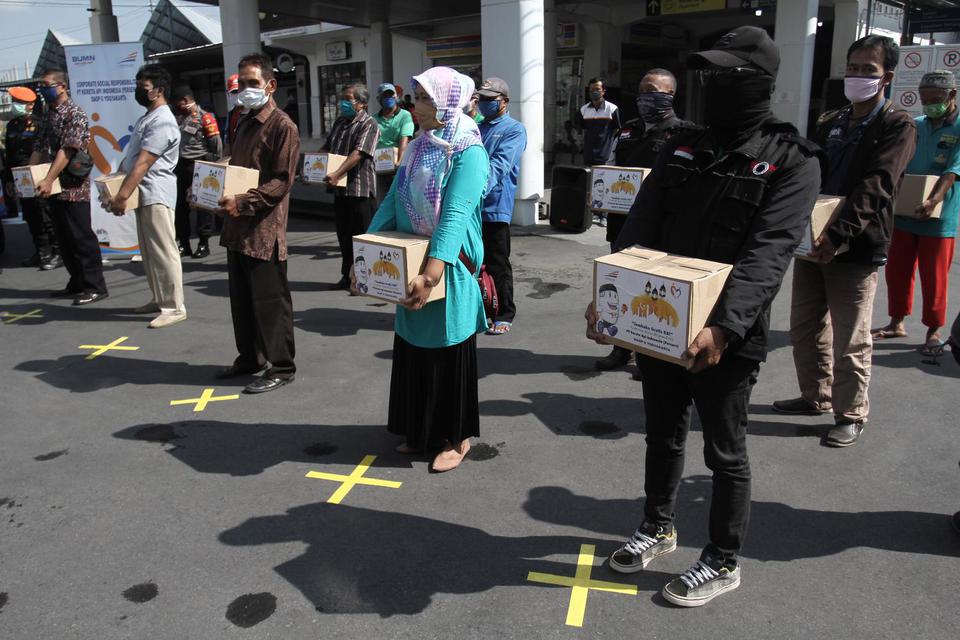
x=101, y=349
x=581, y=584
x=14, y=317
x=350, y=481
x=205, y=398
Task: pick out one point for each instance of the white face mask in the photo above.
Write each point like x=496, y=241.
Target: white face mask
x=252, y=98
x=861, y=89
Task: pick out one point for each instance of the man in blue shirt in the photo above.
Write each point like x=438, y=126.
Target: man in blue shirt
x=504, y=139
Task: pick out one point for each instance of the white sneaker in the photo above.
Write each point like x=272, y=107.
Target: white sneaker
x=150, y=307
x=167, y=319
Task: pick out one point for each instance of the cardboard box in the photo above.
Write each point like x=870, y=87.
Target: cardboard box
x=317, y=165
x=824, y=214
x=25, y=180
x=613, y=189
x=214, y=180
x=108, y=186
x=913, y=191
x=385, y=160
x=385, y=262
x=655, y=303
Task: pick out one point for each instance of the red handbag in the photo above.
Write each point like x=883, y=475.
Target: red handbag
x=488, y=289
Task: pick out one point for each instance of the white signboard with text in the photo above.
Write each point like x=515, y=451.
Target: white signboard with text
x=102, y=83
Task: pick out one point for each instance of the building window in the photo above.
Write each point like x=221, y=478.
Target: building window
x=333, y=78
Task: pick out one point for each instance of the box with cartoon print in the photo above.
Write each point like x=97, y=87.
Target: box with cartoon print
x=214, y=180
x=613, y=189
x=316, y=166
x=653, y=302
x=26, y=179
x=913, y=191
x=385, y=262
x=385, y=160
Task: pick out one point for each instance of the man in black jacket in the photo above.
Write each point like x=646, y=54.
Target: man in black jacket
x=869, y=144
x=639, y=144
x=740, y=192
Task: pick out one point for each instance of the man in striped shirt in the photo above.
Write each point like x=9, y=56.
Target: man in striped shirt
x=355, y=135
x=600, y=122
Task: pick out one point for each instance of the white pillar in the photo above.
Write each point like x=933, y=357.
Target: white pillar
x=103, y=24
x=549, y=75
x=379, y=57
x=796, y=33
x=513, y=49
x=240, y=26
x=846, y=30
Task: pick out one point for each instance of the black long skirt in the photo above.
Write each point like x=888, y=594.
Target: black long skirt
x=433, y=394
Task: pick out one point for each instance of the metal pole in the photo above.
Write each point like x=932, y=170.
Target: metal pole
x=103, y=24
x=869, y=16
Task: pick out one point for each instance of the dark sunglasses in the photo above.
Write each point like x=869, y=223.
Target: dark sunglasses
x=727, y=75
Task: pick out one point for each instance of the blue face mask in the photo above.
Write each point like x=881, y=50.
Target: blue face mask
x=488, y=108
x=388, y=103
x=49, y=94
x=347, y=110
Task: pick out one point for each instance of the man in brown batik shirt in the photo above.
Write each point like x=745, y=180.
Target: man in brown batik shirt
x=255, y=233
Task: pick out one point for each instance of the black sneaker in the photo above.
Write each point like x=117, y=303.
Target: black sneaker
x=184, y=249
x=801, y=407
x=647, y=542
x=843, y=435
x=51, y=263
x=203, y=250
x=702, y=582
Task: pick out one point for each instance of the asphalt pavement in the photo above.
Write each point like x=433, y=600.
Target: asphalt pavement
x=125, y=516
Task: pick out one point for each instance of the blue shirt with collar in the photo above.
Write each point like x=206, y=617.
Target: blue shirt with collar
x=505, y=140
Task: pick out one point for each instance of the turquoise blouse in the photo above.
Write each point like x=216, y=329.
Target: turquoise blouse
x=460, y=314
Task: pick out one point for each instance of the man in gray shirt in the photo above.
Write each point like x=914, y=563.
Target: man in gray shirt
x=152, y=155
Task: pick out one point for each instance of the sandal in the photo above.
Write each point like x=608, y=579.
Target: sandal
x=499, y=328
x=933, y=348
x=887, y=334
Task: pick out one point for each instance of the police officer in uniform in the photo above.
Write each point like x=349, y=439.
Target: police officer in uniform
x=739, y=192
x=199, y=140
x=639, y=144
x=20, y=137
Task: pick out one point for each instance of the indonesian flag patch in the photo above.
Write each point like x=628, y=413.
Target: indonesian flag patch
x=684, y=152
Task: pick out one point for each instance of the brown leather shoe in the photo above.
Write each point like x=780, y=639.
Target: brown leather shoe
x=451, y=457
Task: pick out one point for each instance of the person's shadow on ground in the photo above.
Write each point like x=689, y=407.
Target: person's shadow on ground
x=77, y=374
x=336, y=322
x=778, y=532
x=210, y=446
x=361, y=561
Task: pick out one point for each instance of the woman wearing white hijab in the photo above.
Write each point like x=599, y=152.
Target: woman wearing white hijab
x=438, y=192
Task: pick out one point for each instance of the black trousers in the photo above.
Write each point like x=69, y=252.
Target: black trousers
x=615, y=222
x=262, y=313
x=496, y=256
x=36, y=213
x=184, y=173
x=722, y=398
x=353, y=216
x=79, y=247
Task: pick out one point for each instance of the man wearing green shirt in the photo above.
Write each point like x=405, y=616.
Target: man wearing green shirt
x=396, y=129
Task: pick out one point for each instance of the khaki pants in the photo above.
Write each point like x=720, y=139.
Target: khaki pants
x=161, y=259
x=830, y=321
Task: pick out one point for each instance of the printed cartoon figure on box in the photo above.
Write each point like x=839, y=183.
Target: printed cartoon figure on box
x=598, y=194
x=609, y=309
x=361, y=273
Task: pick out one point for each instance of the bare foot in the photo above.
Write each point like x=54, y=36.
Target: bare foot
x=451, y=457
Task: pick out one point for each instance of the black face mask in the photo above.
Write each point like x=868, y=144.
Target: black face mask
x=654, y=106
x=737, y=104
x=141, y=95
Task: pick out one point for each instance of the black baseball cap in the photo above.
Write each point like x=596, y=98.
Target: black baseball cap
x=744, y=46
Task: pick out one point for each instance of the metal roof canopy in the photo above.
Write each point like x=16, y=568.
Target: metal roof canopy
x=363, y=13
x=51, y=53
x=175, y=26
